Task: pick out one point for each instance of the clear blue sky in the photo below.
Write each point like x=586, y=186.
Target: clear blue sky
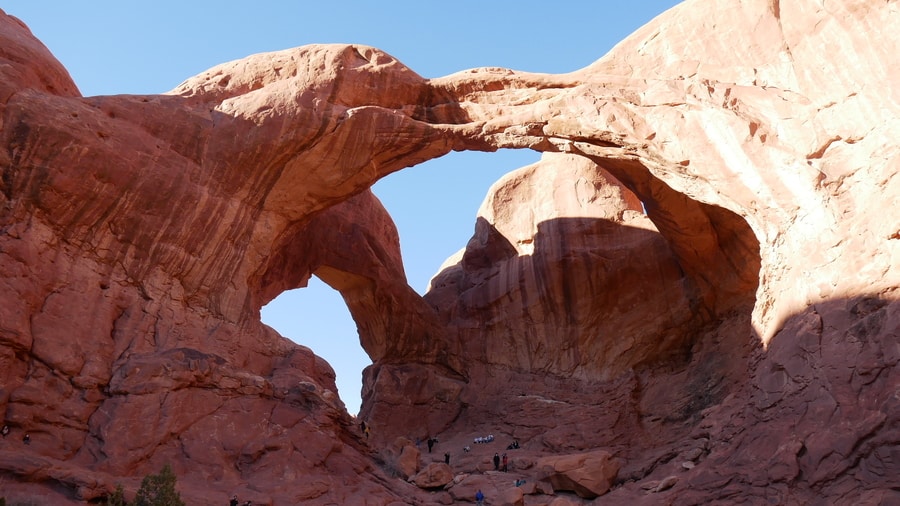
x=124, y=47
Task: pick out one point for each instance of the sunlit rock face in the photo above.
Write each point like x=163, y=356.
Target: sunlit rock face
x=699, y=278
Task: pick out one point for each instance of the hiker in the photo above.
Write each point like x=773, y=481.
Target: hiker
x=479, y=498
x=233, y=501
x=447, y=458
x=431, y=442
x=4, y=431
x=26, y=439
x=496, y=462
x=505, y=468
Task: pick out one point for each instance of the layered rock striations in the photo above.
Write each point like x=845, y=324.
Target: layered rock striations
x=698, y=281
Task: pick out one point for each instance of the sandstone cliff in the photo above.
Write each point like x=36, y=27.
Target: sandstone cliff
x=691, y=298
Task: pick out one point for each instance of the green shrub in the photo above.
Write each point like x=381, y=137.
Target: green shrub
x=117, y=498
x=159, y=490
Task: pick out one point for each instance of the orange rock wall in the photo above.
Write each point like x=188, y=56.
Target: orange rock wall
x=738, y=342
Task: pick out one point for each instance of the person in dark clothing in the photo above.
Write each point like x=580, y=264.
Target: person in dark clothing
x=4, y=431
x=431, y=442
x=447, y=458
x=496, y=462
x=233, y=501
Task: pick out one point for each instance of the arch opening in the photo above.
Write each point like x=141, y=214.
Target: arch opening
x=356, y=285
x=592, y=298
x=317, y=317
x=436, y=223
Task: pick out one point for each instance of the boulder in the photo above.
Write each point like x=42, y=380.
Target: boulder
x=510, y=497
x=408, y=462
x=589, y=474
x=435, y=475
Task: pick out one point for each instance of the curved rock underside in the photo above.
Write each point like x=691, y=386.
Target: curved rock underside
x=737, y=342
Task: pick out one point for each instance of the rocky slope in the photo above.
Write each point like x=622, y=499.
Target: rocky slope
x=692, y=298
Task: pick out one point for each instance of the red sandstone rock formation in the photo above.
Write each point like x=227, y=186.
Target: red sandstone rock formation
x=589, y=475
x=739, y=342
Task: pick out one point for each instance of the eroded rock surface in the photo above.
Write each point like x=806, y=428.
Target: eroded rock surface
x=698, y=279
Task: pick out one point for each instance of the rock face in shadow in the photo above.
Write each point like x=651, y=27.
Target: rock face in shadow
x=699, y=279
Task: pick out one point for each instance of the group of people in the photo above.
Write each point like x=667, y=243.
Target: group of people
x=4, y=431
x=501, y=462
x=498, y=460
x=234, y=501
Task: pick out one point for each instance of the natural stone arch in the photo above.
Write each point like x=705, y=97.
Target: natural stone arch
x=524, y=126
x=354, y=248
x=716, y=247
x=250, y=152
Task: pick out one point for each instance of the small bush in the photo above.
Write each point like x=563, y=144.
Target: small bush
x=159, y=490
x=117, y=498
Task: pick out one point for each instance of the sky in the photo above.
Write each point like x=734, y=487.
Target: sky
x=115, y=47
